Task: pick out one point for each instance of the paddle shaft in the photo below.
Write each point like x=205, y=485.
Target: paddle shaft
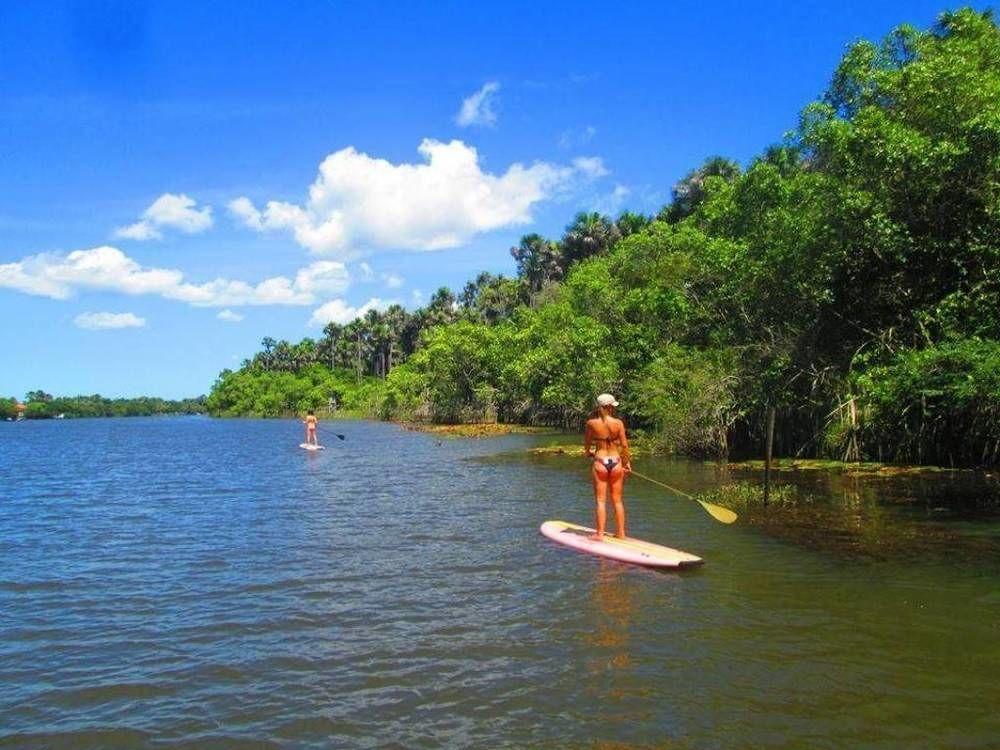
x=335, y=434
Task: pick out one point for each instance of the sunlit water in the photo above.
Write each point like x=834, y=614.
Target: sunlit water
x=207, y=584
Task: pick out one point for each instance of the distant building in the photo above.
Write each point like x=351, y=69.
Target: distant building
x=20, y=408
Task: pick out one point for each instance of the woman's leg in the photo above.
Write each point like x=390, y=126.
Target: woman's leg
x=617, y=482
x=600, y=495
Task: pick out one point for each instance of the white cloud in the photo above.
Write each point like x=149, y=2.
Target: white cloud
x=591, y=166
x=613, y=202
x=358, y=200
x=576, y=138
x=98, y=321
x=477, y=109
x=324, y=277
x=338, y=311
x=141, y=230
x=418, y=296
x=169, y=211
x=393, y=280
x=243, y=208
x=229, y=316
x=109, y=269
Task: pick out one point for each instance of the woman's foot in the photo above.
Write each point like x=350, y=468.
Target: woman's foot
x=596, y=537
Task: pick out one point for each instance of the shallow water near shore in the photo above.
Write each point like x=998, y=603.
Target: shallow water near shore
x=189, y=582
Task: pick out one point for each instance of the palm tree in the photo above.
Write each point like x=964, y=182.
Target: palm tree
x=589, y=234
x=442, y=308
x=378, y=334
x=690, y=192
x=539, y=261
x=332, y=333
x=474, y=289
x=629, y=223
x=395, y=319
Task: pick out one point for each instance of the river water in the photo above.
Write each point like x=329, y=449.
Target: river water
x=187, y=582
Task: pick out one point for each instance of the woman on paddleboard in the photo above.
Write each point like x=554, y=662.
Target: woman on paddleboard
x=605, y=444
x=310, y=422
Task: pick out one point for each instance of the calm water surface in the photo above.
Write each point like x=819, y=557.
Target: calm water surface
x=197, y=583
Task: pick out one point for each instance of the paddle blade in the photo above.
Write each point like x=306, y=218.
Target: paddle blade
x=724, y=515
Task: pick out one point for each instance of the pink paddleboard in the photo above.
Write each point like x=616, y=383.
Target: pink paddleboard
x=627, y=550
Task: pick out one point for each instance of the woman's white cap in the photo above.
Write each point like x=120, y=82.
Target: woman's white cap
x=606, y=399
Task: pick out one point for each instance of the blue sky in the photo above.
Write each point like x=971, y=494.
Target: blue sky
x=281, y=164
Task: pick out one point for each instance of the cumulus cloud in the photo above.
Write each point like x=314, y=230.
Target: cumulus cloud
x=358, y=200
x=390, y=279
x=229, y=316
x=338, y=311
x=109, y=269
x=99, y=321
x=591, y=166
x=169, y=211
x=477, y=109
x=393, y=280
x=613, y=202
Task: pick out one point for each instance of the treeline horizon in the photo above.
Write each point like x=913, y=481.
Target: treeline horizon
x=41, y=405
x=848, y=278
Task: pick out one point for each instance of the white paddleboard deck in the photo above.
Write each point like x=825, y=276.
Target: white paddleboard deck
x=629, y=550
x=311, y=447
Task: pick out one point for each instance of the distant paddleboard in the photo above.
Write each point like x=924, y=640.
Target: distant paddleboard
x=311, y=447
x=627, y=550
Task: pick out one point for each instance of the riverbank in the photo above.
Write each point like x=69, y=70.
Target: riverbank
x=42, y=405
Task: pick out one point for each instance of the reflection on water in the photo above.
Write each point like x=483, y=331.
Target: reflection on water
x=199, y=583
x=612, y=598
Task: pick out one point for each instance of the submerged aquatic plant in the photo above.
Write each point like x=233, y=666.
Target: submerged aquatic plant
x=743, y=495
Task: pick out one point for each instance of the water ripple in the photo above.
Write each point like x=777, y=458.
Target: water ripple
x=394, y=592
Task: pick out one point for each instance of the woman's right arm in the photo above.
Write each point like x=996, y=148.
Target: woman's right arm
x=588, y=439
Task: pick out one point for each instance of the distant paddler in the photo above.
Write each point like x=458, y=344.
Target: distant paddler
x=605, y=443
x=311, y=423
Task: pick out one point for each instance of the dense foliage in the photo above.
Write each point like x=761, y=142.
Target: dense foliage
x=41, y=405
x=848, y=277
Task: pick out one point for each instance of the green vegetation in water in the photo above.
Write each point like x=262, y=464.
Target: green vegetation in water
x=861, y=468
x=858, y=528
x=849, y=276
x=741, y=495
x=42, y=405
x=636, y=448
x=473, y=429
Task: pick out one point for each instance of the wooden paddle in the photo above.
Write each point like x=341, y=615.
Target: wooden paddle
x=723, y=515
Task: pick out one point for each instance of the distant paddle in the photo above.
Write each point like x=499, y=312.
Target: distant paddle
x=335, y=434
x=723, y=515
